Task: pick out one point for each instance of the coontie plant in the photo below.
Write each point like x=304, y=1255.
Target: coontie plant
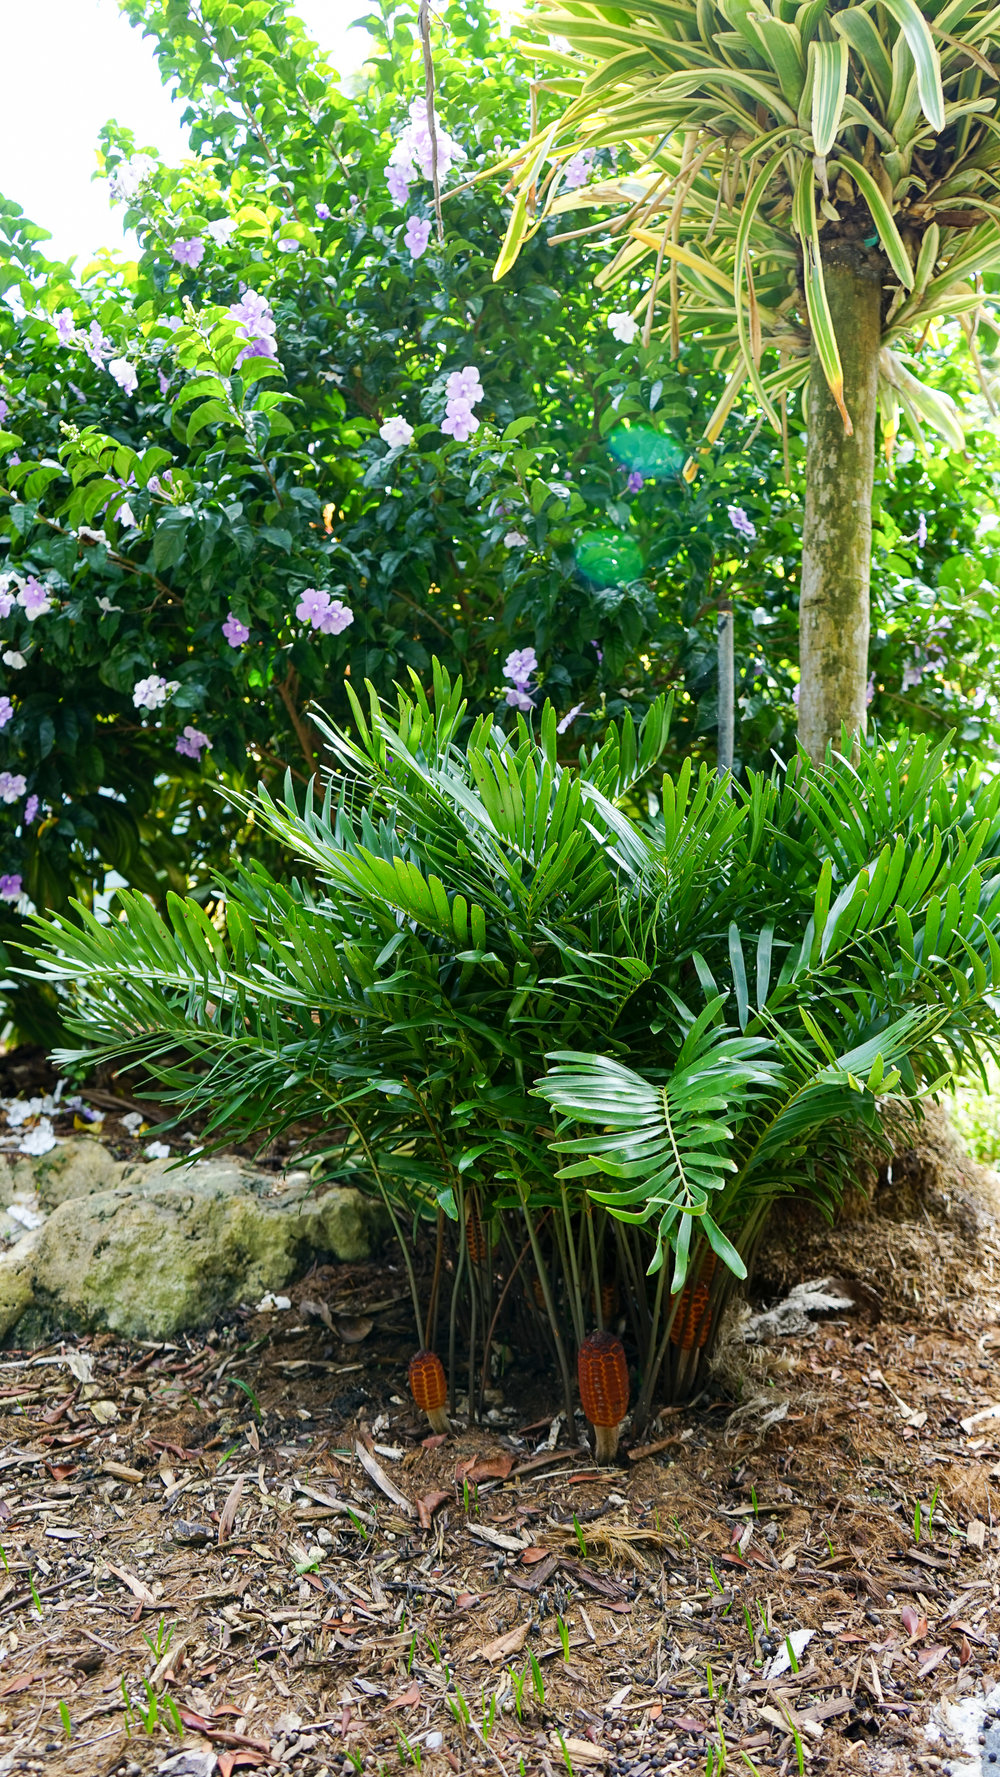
x=577, y=1052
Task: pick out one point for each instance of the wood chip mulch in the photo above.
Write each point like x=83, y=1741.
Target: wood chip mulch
x=242, y=1551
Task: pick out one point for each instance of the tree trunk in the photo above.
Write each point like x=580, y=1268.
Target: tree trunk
x=834, y=614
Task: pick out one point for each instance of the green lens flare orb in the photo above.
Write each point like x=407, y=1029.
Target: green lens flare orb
x=607, y=558
x=654, y=455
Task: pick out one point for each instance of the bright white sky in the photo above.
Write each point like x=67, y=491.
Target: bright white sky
x=69, y=66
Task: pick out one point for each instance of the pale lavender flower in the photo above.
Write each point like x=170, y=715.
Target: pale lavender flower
x=624, y=328
x=459, y=422
x=795, y=695
x=30, y=810
x=569, y=718
x=414, y=147
x=191, y=742
x=124, y=374
x=163, y=380
x=313, y=601
x=870, y=690
x=335, y=618
x=520, y=664
x=10, y=888
x=6, y=711
x=741, y=523
x=128, y=176
x=515, y=540
x=151, y=693
x=4, y=409
x=598, y=650
x=398, y=183
x=64, y=326
x=96, y=345
x=577, y=171
x=14, y=458
x=518, y=699
x=34, y=599
x=235, y=632
x=323, y=212
x=190, y=252
x=635, y=481
x=921, y=531
x=288, y=244
x=912, y=675
x=464, y=385
x=397, y=432
x=12, y=786
x=418, y=233
x=256, y=325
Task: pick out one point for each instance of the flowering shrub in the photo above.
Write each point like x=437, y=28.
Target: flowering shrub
x=301, y=437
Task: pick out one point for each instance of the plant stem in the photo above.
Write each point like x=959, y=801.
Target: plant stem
x=550, y=1307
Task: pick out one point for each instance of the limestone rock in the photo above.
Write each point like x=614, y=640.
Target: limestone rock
x=148, y=1251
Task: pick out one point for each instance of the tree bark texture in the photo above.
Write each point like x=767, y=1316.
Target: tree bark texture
x=834, y=605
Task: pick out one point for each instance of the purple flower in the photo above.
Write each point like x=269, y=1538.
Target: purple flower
x=30, y=810
x=164, y=381
x=64, y=326
x=795, y=695
x=520, y=664
x=4, y=409
x=235, y=632
x=635, y=481
x=191, y=742
x=96, y=345
x=12, y=786
x=598, y=650
x=10, y=888
x=190, y=252
x=6, y=711
x=397, y=432
x=459, y=422
x=313, y=601
x=569, y=718
x=323, y=212
x=398, y=183
x=741, y=523
x=335, y=618
x=870, y=690
x=518, y=699
x=124, y=374
x=288, y=244
x=465, y=386
x=256, y=325
x=418, y=233
x=33, y=598
x=577, y=170
x=912, y=675
x=7, y=600
x=921, y=531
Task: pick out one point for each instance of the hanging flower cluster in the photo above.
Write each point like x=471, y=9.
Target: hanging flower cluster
x=414, y=153
x=256, y=325
x=462, y=390
x=518, y=667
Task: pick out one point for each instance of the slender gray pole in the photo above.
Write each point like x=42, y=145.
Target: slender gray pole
x=727, y=690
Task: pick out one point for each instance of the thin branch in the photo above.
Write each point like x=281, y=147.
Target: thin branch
x=424, y=26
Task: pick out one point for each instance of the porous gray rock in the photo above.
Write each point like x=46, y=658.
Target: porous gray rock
x=151, y=1250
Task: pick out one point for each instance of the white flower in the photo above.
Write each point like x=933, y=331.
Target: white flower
x=624, y=328
x=128, y=176
x=221, y=231
x=38, y=1141
x=397, y=432
x=13, y=659
x=515, y=540
x=269, y=1302
x=125, y=515
x=157, y=1150
x=86, y=535
x=152, y=693
x=132, y=1121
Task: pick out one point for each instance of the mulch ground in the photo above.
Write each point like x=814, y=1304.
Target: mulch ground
x=242, y=1551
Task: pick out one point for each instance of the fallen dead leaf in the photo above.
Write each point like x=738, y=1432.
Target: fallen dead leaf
x=428, y=1505
x=511, y=1643
x=136, y=1586
x=353, y=1331
x=535, y=1553
x=914, y=1624
x=227, y=1516
x=374, y=1469
x=21, y=1683
x=407, y=1699
x=580, y=1752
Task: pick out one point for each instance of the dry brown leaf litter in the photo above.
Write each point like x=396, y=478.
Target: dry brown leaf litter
x=252, y=1529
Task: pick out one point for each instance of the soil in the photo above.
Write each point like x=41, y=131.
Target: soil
x=243, y=1550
